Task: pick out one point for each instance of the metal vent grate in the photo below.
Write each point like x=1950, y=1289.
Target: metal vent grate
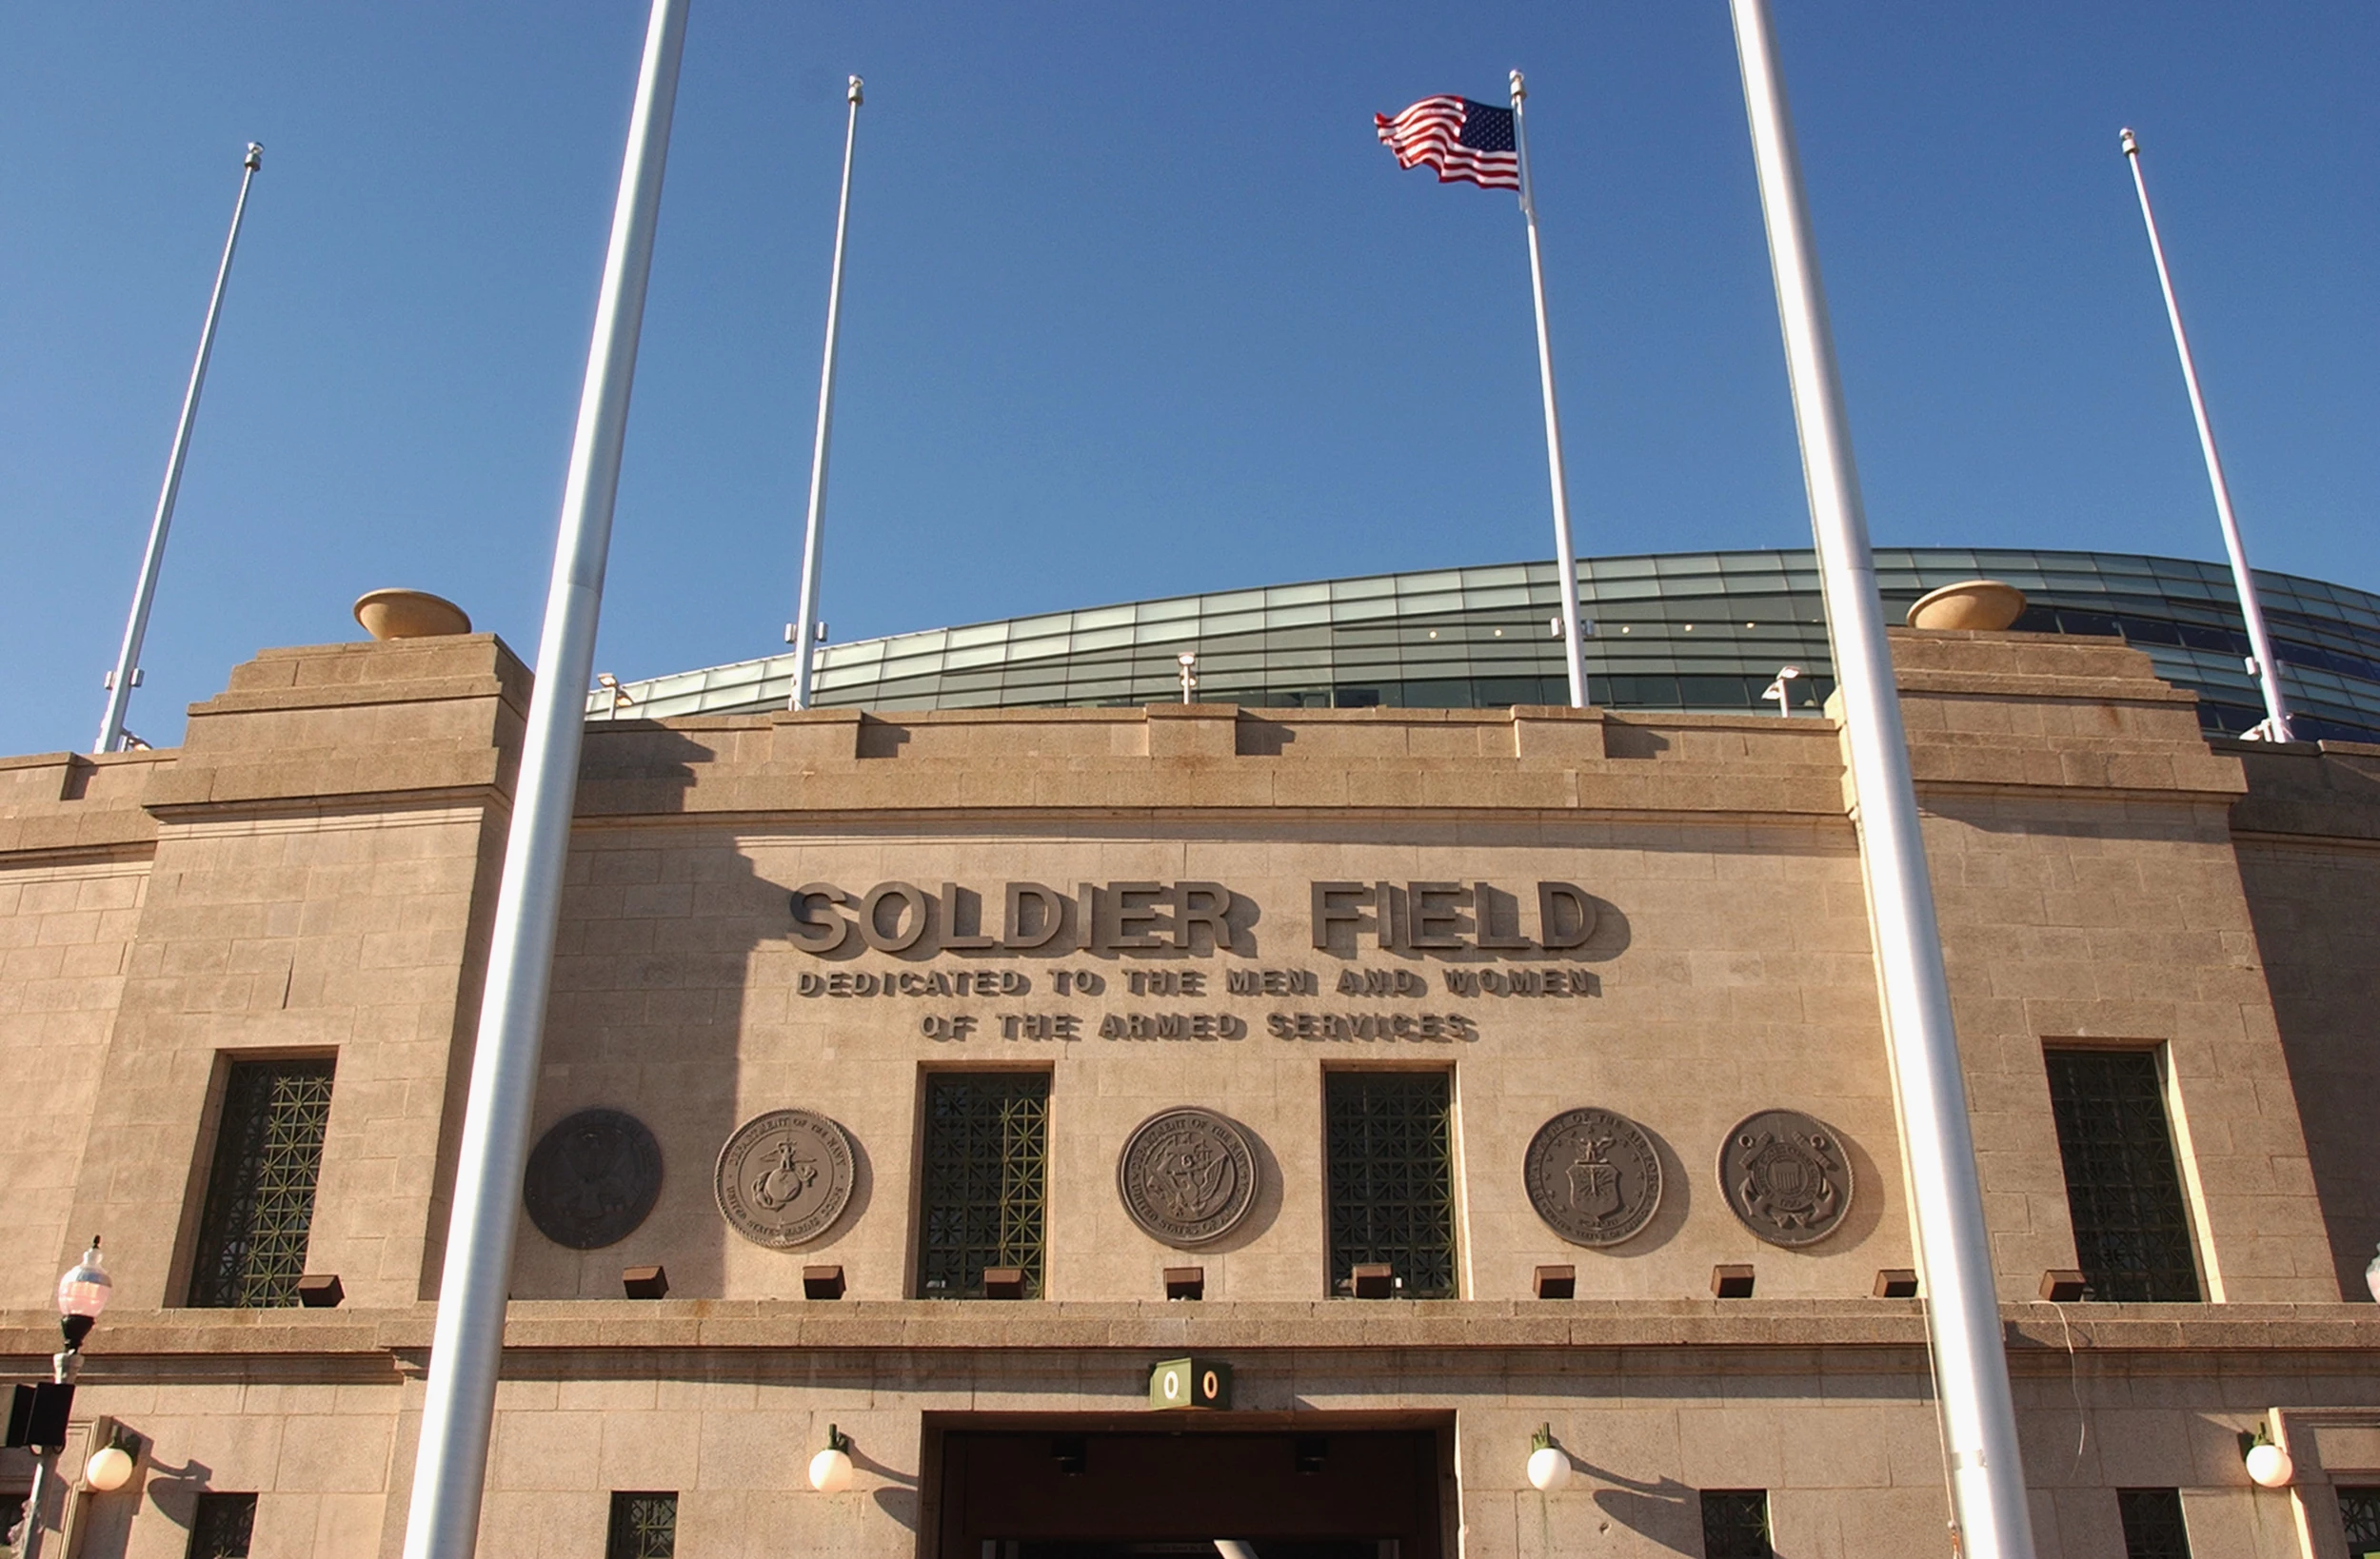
x=644, y=1525
x=2152, y=1522
x=1392, y=1178
x=220, y=1526
x=986, y=1176
x=1736, y=1524
x=260, y=1194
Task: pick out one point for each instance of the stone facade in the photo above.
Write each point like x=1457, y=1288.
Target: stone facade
x=313, y=875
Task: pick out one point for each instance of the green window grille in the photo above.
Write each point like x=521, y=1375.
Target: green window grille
x=220, y=1528
x=260, y=1193
x=644, y=1525
x=1391, y=1143
x=2131, y=1228
x=2360, y=1510
x=2152, y=1522
x=987, y=1178
x=1736, y=1524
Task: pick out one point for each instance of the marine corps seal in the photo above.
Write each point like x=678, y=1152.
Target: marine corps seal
x=784, y=1177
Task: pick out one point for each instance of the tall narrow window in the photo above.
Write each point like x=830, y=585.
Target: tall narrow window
x=644, y=1525
x=1391, y=1143
x=1736, y=1524
x=260, y=1193
x=2360, y=1510
x=2152, y=1522
x=2131, y=1230
x=220, y=1528
x=985, y=1180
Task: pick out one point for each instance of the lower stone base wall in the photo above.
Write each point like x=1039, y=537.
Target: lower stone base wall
x=1843, y=1441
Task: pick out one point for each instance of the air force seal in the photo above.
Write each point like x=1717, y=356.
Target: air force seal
x=1594, y=1177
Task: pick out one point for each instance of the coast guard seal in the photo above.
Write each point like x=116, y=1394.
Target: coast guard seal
x=784, y=1177
x=1787, y=1176
x=1187, y=1176
x=1594, y=1177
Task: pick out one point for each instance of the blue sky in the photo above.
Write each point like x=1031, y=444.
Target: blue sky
x=1135, y=304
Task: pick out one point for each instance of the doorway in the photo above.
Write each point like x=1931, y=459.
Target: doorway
x=1056, y=1492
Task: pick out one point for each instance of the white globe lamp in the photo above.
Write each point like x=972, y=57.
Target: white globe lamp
x=2372, y=1277
x=830, y=1470
x=1549, y=1465
x=2269, y=1465
x=109, y=1470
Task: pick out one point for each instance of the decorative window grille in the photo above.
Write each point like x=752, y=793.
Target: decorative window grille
x=221, y=1527
x=2360, y=1510
x=1736, y=1524
x=644, y=1525
x=2152, y=1522
x=2131, y=1228
x=987, y=1178
x=260, y=1193
x=1391, y=1143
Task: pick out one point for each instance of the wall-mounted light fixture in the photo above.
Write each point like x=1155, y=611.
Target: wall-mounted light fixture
x=830, y=1470
x=1549, y=1465
x=2269, y=1465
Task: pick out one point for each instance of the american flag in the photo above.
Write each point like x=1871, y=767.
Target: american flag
x=1461, y=139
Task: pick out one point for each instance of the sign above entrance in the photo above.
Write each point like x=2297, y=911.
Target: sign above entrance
x=1199, y=918
x=1190, y=1382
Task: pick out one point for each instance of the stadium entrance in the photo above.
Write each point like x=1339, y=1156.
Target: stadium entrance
x=1078, y=1490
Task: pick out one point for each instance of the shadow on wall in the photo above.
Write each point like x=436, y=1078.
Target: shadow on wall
x=652, y=962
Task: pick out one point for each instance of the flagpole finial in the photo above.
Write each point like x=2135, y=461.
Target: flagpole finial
x=1520, y=87
x=255, y=158
x=2131, y=143
x=855, y=94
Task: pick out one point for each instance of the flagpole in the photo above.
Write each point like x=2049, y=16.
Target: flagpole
x=1953, y=1250
x=1565, y=560
x=468, y=1345
x=125, y=676
x=2264, y=667
x=805, y=626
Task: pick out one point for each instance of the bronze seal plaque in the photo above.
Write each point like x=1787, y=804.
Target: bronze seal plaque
x=592, y=1178
x=1187, y=1176
x=785, y=1178
x=1594, y=1177
x=1787, y=1175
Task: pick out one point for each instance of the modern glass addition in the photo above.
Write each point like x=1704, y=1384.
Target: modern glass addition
x=2131, y=1227
x=221, y=1527
x=1736, y=1524
x=260, y=1191
x=644, y=1525
x=2152, y=1522
x=1698, y=631
x=985, y=1180
x=1390, y=1141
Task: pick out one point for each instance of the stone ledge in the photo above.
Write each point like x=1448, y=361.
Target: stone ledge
x=128, y=1341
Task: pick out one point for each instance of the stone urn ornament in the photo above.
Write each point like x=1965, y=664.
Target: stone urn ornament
x=1984, y=605
x=409, y=614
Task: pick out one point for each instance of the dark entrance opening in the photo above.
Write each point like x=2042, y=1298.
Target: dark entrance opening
x=1100, y=1492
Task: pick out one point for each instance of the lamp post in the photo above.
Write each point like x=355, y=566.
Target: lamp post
x=1782, y=689
x=82, y=1295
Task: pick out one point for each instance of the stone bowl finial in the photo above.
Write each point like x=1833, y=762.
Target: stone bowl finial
x=1985, y=604
x=409, y=614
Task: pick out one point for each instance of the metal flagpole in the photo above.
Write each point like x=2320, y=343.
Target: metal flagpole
x=805, y=627
x=125, y=676
x=468, y=1345
x=1565, y=560
x=1962, y=1311
x=2262, y=665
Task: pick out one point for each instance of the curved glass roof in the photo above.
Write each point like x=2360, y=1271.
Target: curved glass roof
x=1673, y=631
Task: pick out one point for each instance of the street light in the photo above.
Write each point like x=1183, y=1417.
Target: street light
x=83, y=1292
x=1188, y=660
x=1782, y=689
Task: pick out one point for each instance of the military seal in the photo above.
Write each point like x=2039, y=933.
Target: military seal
x=1594, y=1177
x=785, y=1178
x=1787, y=1176
x=1187, y=1176
x=592, y=1178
